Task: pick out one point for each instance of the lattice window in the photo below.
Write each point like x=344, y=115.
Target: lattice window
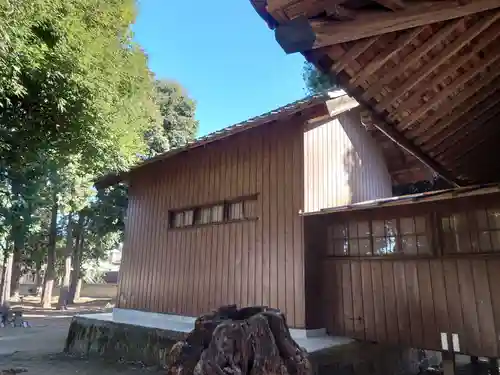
x=406, y=236
x=177, y=219
x=218, y=213
x=242, y=209
x=471, y=232
x=188, y=218
x=385, y=237
x=414, y=240
x=235, y=210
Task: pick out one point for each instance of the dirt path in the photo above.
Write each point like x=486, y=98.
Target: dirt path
x=38, y=349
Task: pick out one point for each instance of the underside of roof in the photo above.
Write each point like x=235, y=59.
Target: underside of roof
x=427, y=72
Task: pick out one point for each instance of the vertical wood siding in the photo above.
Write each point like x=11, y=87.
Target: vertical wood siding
x=191, y=271
x=342, y=164
x=409, y=302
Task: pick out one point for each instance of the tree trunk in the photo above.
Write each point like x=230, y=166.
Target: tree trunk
x=62, y=303
x=38, y=278
x=252, y=340
x=48, y=284
x=78, y=289
x=15, y=285
x=76, y=263
x=8, y=261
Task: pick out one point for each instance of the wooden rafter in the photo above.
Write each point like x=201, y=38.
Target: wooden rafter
x=353, y=53
x=457, y=100
x=391, y=74
x=392, y=4
x=453, y=66
x=470, y=136
x=470, y=157
x=426, y=137
x=443, y=57
x=390, y=132
x=494, y=131
x=391, y=51
x=371, y=23
x=450, y=89
x=462, y=119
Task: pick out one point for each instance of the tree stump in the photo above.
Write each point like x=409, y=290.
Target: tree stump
x=252, y=340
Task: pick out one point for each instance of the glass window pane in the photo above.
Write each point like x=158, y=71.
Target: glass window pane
x=463, y=244
x=353, y=229
x=445, y=224
x=494, y=218
x=420, y=224
x=353, y=248
x=481, y=219
x=330, y=248
x=407, y=225
x=365, y=247
x=391, y=228
x=340, y=231
x=364, y=229
x=236, y=211
x=380, y=246
x=449, y=243
x=409, y=244
x=217, y=213
x=340, y=247
x=188, y=218
x=484, y=241
x=205, y=215
x=392, y=245
x=423, y=246
x=178, y=219
x=459, y=222
x=378, y=228
x=495, y=240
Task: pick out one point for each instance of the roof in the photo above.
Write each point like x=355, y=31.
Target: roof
x=266, y=118
x=429, y=196
x=427, y=71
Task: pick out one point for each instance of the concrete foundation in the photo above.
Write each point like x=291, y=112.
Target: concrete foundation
x=148, y=340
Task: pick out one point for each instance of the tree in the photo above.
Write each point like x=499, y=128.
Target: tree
x=317, y=81
x=178, y=124
x=77, y=101
x=73, y=88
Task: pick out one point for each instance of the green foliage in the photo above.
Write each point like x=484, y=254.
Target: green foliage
x=316, y=81
x=76, y=101
x=178, y=125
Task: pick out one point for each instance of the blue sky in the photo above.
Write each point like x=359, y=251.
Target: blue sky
x=223, y=54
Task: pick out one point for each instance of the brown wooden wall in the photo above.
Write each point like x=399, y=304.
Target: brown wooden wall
x=410, y=300
x=193, y=270
x=342, y=164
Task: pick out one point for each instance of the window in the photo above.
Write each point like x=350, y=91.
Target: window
x=406, y=236
x=241, y=209
x=351, y=238
x=385, y=237
x=475, y=231
x=414, y=236
x=236, y=211
x=218, y=213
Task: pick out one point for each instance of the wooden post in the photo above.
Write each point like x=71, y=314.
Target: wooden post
x=448, y=363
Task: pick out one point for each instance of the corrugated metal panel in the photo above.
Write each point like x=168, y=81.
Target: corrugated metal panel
x=410, y=302
x=343, y=164
x=192, y=271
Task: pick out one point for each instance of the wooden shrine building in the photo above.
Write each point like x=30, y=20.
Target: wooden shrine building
x=219, y=221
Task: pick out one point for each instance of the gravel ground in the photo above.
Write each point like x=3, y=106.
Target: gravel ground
x=37, y=350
